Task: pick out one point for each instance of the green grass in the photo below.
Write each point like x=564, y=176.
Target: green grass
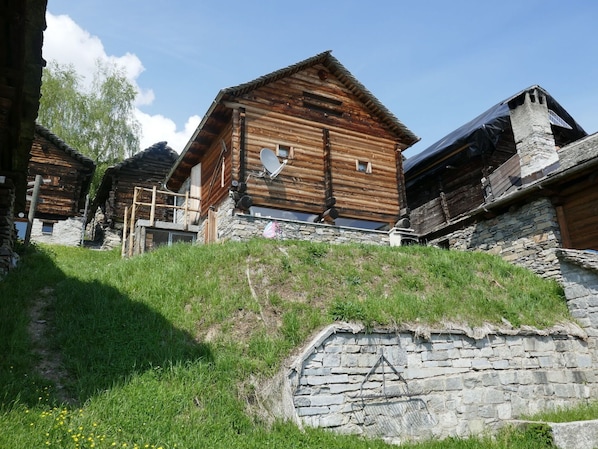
x=159, y=349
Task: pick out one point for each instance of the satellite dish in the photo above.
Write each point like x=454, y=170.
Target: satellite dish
x=271, y=163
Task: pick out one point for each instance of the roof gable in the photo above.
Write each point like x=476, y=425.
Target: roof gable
x=62, y=146
x=136, y=162
x=218, y=114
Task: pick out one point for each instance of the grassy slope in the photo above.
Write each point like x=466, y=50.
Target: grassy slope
x=159, y=348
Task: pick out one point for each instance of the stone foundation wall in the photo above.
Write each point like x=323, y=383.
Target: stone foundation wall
x=404, y=387
x=7, y=226
x=416, y=384
x=528, y=236
x=65, y=232
x=239, y=227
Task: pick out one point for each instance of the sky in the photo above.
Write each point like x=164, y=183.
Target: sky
x=435, y=64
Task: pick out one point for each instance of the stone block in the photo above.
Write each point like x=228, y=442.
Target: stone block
x=331, y=361
x=325, y=400
x=332, y=420
x=310, y=411
x=500, y=364
x=480, y=364
x=326, y=380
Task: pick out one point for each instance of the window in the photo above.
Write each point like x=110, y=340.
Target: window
x=284, y=151
x=363, y=166
x=47, y=227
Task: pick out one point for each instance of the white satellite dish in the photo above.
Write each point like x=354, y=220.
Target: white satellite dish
x=271, y=163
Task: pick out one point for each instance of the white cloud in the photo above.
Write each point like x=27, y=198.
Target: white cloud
x=67, y=43
x=157, y=128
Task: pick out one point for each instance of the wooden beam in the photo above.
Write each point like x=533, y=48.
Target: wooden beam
x=328, y=188
x=562, y=220
x=152, y=207
x=400, y=176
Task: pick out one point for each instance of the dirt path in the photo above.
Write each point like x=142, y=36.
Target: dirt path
x=49, y=364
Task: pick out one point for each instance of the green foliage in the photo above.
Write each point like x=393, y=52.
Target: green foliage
x=582, y=412
x=342, y=310
x=98, y=121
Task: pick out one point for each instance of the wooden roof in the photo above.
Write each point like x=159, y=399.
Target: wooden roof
x=61, y=145
x=135, y=162
x=218, y=114
x=481, y=133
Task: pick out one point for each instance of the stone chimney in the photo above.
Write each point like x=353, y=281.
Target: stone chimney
x=533, y=135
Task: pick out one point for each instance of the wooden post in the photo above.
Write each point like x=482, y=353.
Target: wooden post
x=562, y=220
x=186, y=222
x=124, y=242
x=153, y=207
x=32, y=207
x=132, y=224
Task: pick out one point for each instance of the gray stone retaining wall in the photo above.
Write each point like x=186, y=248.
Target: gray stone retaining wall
x=239, y=227
x=417, y=384
x=402, y=387
x=528, y=236
x=65, y=232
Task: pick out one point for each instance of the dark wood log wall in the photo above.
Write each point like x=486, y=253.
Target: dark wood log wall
x=578, y=213
x=457, y=189
x=295, y=111
x=62, y=195
x=147, y=169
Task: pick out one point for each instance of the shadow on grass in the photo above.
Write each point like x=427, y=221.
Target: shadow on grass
x=99, y=335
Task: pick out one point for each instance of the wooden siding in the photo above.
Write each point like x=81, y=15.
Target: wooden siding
x=580, y=211
x=212, y=189
x=67, y=178
x=277, y=114
x=456, y=189
x=146, y=169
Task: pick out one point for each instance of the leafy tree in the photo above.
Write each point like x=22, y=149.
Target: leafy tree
x=98, y=121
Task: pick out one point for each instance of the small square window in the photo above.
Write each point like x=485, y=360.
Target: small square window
x=47, y=227
x=363, y=166
x=284, y=151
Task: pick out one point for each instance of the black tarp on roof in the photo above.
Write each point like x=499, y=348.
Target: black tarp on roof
x=482, y=133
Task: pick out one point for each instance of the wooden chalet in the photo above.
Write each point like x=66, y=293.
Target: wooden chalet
x=146, y=169
x=483, y=160
x=514, y=153
x=338, y=150
x=66, y=177
x=22, y=23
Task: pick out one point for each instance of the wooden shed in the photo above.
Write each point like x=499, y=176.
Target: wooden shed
x=147, y=168
x=66, y=177
x=22, y=23
x=332, y=153
x=512, y=144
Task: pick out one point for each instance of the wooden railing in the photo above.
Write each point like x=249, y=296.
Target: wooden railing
x=160, y=200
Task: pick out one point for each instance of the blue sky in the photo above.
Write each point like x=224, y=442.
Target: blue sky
x=435, y=64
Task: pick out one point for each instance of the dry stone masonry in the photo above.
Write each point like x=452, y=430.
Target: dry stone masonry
x=416, y=384
x=527, y=236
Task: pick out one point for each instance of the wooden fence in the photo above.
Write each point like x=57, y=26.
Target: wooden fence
x=150, y=201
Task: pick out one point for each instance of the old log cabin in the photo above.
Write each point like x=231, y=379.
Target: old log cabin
x=519, y=180
x=307, y=142
x=146, y=169
x=66, y=177
x=22, y=23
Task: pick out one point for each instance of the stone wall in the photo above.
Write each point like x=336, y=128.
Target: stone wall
x=405, y=387
x=65, y=232
x=240, y=227
x=417, y=384
x=7, y=226
x=527, y=236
